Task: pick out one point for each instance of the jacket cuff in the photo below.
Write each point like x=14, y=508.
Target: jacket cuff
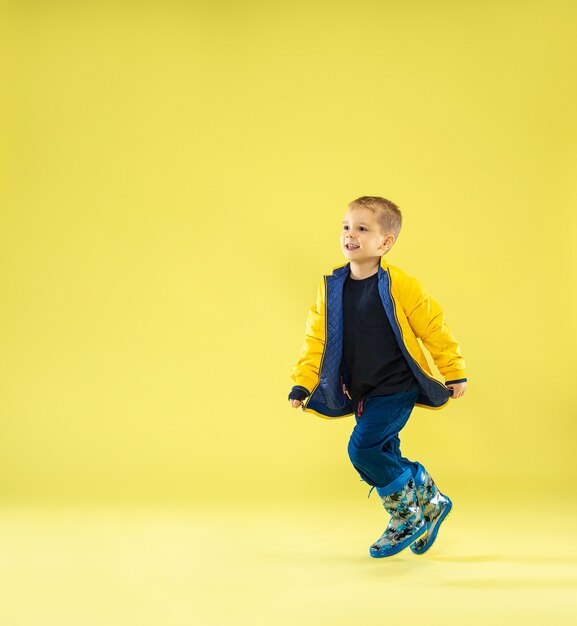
x=298, y=393
x=459, y=380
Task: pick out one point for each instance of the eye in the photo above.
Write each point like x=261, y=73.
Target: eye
x=345, y=227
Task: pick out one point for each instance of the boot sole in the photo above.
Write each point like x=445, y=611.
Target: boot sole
x=440, y=520
x=378, y=554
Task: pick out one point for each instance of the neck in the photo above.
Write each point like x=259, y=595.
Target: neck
x=364, y=269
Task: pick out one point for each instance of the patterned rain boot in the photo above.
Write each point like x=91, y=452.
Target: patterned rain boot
x=407, y=522
x=435, y=507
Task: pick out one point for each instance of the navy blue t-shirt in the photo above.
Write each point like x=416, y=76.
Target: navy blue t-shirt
x=374, y=364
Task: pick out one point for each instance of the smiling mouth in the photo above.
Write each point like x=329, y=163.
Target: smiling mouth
x=350, y=246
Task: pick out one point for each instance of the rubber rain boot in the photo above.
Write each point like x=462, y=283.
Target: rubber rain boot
x=407, y=522
x=435, y=506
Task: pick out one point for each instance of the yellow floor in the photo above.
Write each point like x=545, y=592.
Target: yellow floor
x=279, y=563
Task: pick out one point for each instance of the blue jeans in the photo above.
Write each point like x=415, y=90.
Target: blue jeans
x=374, y=446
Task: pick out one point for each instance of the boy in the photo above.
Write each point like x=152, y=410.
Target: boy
x=361, y=356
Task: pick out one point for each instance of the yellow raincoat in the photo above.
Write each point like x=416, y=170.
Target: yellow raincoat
x=412, y=313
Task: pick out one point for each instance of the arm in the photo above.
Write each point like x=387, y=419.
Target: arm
x=427, y=320
x=305, y=374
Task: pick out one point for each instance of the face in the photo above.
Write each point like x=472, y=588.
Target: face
x=362, y=230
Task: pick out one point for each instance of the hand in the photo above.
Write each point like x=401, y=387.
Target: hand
x=295, y=403
x=458, y=389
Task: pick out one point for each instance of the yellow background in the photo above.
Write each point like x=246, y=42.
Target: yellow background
x=173, y=179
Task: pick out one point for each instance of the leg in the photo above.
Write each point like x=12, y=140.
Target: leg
x=394, y=449
x=374, y=447
x=374, y=451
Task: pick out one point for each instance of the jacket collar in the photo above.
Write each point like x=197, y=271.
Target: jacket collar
x=342, y=268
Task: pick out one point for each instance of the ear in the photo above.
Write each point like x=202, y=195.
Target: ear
x=389, y=240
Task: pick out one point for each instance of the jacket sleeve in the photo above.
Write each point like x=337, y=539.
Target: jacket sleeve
x=306, y=371
x=427, y=320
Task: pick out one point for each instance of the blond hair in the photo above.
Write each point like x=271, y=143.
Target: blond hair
x=388, y=214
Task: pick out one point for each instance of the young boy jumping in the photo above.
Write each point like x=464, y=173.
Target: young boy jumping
x=361, y=356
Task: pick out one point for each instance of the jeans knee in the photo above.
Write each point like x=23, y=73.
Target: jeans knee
x=355, y=453
x=361, y=456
